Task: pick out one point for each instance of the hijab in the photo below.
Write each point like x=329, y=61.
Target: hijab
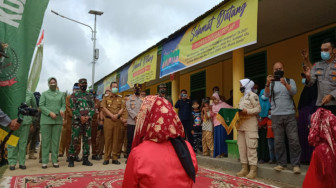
x=157, y=121
x=248, y=84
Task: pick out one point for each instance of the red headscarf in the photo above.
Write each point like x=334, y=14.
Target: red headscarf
x=157, y=121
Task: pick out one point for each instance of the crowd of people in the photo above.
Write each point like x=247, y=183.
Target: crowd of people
x=151, y=129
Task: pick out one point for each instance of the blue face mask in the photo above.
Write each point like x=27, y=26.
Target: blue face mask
x=114, y=90
x=264, y=98
x=269, y=116
x=325, y=55
x=303, y=81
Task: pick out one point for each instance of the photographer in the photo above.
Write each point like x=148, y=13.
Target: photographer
x=281, y=91
x=5, y=121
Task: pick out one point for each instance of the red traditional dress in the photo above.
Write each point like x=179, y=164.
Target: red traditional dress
x=154, y=161
x=322, y=135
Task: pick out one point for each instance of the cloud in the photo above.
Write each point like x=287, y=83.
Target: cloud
x=126, y=29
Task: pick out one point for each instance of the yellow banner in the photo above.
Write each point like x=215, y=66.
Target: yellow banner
x=107, y=81
x=13, y=140
x=232, y=26
x=143, y=69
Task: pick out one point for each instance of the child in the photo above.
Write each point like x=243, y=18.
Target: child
x=196, y=126
x=270, y=138
x=207, y=127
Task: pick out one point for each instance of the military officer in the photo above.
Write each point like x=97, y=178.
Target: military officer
x=82, y=105
x=113, y=108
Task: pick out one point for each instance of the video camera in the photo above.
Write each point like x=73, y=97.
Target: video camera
x=24, y=110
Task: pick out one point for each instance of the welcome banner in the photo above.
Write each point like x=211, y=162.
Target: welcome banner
x=107, y=81
x=232, y=26
x=143, y=69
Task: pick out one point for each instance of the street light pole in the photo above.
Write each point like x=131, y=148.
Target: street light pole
x=93, y=31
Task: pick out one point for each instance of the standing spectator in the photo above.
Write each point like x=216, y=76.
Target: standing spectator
x=220, y=134
x=83, y=109
x=18, y=153
x=52, y=105
x=94, y=127
x=263, y=150
x=163, y=93
x=322, y=73
x=207, y=130
x=133, y=107
x=270, y=139
x=281, y=91
x=248, y=129
x=216, y=90
x=35, y=129
x=113, y=107
x=184, y=107
x=196, y=124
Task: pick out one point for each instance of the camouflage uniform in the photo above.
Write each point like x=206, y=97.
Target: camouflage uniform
x=82, y=104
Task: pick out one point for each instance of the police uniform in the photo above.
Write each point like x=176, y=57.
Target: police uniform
x=325, y=75
x=113, y=103
x=82, y=104
x=248, y=130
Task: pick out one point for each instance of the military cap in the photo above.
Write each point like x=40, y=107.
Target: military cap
x=82, y=80
x=137, y=85
x=162, y=86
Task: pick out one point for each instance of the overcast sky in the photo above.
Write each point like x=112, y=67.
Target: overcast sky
x=126, y=29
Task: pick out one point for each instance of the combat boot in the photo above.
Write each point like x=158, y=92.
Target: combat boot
x=86, y=161
x=253, y=172
x=244, y=171
x=71, y=161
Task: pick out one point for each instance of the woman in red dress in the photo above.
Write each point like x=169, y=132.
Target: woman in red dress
x=160, y=157
x=322, y=135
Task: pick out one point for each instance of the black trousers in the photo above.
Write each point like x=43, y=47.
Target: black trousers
x=187, y=131
x=130, y=135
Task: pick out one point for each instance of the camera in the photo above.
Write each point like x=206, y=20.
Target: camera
x=24, y=110
x=278, y=74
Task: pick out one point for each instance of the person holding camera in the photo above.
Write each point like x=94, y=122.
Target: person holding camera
x=18, y=153
x=281, y=91
x=184, y=113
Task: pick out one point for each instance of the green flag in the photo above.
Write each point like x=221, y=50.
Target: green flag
x=34, y=75
x=228, y=117
x=20, y=24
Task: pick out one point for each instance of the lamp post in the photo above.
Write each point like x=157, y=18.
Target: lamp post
x=93, y=31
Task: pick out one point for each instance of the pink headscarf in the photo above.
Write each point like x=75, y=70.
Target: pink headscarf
x=217, y=107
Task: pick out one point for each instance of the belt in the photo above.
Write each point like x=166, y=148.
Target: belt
x=108, y=117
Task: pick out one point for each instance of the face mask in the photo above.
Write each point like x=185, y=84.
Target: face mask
x=303, y=81
x=242, y=89
x=163, y=91
x=106, y=94
x=195, y=106
x=255, y=90
x=53, y=87
x=137, y=92
x=264, y=98
x=114, y=90
x=83, y=87
x=325, y=55
x=269, y=116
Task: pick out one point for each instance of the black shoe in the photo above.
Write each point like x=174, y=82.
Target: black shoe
x=106, y=162
x=56, y=165
x=11, y=167
x=77, y=159
x=115, y=162
x=44, y=166
x=67, y=160
x=95, y=157
x=86, y=161
x=71, y=162
x=23, y=167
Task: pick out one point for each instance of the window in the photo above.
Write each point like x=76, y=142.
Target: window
x=198, y=86
x=315, y=42
x=256, y=68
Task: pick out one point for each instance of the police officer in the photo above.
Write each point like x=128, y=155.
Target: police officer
x=133, y=107
x=82, y=105
x=163, y=93
x=113, y=107
x=324, y=73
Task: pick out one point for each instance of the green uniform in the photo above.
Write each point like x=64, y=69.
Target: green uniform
x=51, y=101
x=18, y=153
x=82, y=104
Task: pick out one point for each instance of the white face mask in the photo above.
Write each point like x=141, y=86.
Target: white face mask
x=255, y=90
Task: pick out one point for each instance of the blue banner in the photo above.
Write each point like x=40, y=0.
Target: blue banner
x=123, y=80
